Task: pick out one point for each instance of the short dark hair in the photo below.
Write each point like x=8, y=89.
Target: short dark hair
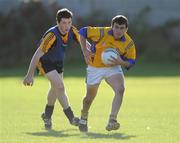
x=63, y=13
x=119, y=19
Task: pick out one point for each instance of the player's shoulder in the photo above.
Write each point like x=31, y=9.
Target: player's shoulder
x=51, y=32
x=107, y=29
x=74, y=28
x=104, y=30
x=98, y=28
x=128, y=37
x=52, y=29
x=129, y=41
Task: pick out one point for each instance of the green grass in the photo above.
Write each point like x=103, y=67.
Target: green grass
x=149, y=114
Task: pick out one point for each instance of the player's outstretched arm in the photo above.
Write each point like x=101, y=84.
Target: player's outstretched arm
x=28, y=79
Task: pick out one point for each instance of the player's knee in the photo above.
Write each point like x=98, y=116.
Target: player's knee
x=60, y=88
x=57, y=86
x=87, y=100
x=120, y=90
x=51, y=100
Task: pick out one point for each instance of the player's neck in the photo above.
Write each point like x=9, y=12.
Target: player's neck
x=61, y=32
x=117, y=37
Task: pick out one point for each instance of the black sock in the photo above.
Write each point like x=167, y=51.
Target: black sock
x=83, y=118
x=69, y=114
x=49, y=111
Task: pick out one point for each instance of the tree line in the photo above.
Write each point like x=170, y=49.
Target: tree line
x=22, y=28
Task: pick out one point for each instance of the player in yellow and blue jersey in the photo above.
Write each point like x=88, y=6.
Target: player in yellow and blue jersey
x=102, y=38
x=49, y=58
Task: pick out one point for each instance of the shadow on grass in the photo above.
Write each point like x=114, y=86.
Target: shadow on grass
x=53, y=133
x=89, y=135
x=122, y=136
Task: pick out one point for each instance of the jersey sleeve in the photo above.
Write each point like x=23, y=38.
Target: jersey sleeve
x=76, y=34
x=47, y=41
x=93, y=33
x=130, y=53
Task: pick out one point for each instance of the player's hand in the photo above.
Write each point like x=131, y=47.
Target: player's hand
x=116, y=61
x=28, y=80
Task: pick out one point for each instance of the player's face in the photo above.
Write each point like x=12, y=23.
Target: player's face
x=65, y=25
x=119, y=30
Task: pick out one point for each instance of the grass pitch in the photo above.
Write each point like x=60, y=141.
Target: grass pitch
x=150, y=112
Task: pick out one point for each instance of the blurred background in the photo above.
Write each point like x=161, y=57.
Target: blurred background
x=154, y=27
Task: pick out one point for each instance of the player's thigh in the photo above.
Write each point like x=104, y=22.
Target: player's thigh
x=92, y=89
x=116, y=81
x=52, y=91
x=94, y=75
x=55, y=79
x=91, y=92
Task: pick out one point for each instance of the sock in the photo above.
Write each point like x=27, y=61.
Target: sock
x=49, y=111
x=69, y=114
x=112, y=117
x=84, y=115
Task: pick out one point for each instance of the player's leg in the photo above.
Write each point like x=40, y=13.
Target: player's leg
x=58, y=84
x=51, y=98
x=45, y=67
x=46, y=116
x=93, y=79
x=116, y=81
x=68, y=111
x=87, y=101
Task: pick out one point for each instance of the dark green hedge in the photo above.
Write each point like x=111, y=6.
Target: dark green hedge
x=21, y=29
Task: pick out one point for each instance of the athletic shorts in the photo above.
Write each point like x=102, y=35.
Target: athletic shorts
x=96, y=75
x=47, y=66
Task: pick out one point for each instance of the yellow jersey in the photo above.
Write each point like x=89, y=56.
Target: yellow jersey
x=102, y=38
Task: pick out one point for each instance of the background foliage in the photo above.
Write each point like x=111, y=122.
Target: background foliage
x=22, y=28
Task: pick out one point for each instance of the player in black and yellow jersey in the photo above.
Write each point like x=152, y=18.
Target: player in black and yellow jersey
x=49, y=58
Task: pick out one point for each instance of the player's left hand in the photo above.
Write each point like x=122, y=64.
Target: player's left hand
x=115, y=61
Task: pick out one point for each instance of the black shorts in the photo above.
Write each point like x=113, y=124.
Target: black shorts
x=50, y=66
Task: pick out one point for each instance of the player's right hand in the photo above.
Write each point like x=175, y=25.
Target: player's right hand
x=28, y=80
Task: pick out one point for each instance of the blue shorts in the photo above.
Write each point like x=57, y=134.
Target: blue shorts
x=48, y=66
